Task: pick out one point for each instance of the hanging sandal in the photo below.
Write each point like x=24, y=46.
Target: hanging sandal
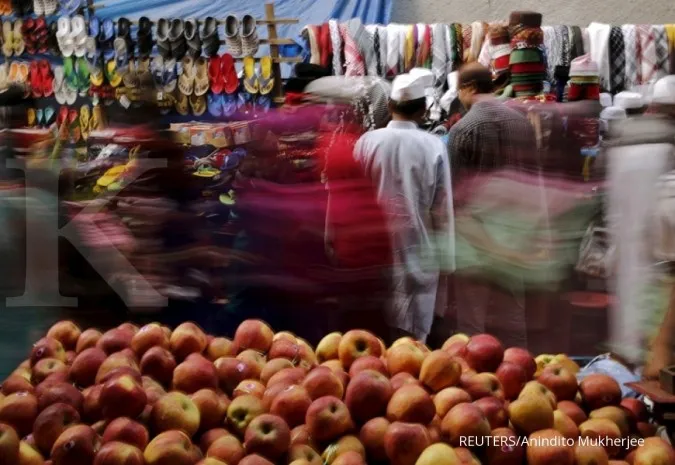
x=49, y=116
x=186, y=81
x=182, y=104
x=96, y=121
x=85, y=117
x=19, y=45
x=198, y=104
x=74, y=125
x=35, y=80
x=251, y=83
x=111, y=74
x=59, y=85
x=4, y=76
x=201, y=86
x=7, y=38
x=163, y=43
x=233, y=35
x=266, y=79
x=31, y=116
x=229, y=74
x=249, y=35
x=170, y=75
x=215, y=105
x=214, y=74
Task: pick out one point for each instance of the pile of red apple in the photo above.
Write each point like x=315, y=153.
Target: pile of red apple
x=135, y=396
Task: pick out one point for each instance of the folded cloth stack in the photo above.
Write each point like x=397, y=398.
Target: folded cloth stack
x=500, y=49
x=526, y=61
x=584, y=83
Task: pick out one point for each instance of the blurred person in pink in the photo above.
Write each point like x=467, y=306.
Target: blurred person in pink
x=411, y=173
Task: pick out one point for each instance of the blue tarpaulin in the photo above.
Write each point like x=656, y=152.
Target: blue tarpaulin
x=307, y=11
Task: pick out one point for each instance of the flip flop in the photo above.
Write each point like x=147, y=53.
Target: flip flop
x=251, y=83
x=49, y=115
x=62, y=117
x=95, y=69
x=111, y=74
x=201, y=86
x=47, y=78
x=215, y=105
x=263, y=102
x=31, y=116
x=198, y=104
x=13, y=72
x=74, y=125
x=229, y=74
x=85, y=116
x=96, y=121
x=8, y=39
x=4, y=79
x=64, y=37
x=170, y=75
x=78, y=31
x=83, y=75
x=229, y=104
x=39, y=116
x=94, y=26
x=214, y=74
x=70, y=7
x=182, y=104
x=22, y=74
x=186, y=81
x=19, y=45
x=35, y=80
x=130, y=78
x=121, y=55
x=157, y=70
x=59, y=85
x=106, y=39
x=69, y=72
x=266, y=78
x=205, y=171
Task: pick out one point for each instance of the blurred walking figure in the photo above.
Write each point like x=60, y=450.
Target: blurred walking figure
x=411, y=173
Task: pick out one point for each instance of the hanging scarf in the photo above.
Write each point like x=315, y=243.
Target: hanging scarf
x=670, y=34
x=392, y=50
x=424, y=50
x=449, y=39
x=459, y=46
x=478, y=31
x=577, y=43
x=336, y=42
x=661, y=46
x=409, y=57
x=402, y=44
x=617, y=59
x=383, y=41
x=649, y=67
x=354, y=63
x=467, y=31
x=630, y=44
x=598, y=35
x=553, y=47
x=562, y=32
x=364, y=43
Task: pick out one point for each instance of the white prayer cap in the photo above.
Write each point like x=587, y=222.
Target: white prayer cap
x=407, y=87
x=424, y=74
x=664, y=90
x=613, y=113
x=605, y=100
x=628, y=100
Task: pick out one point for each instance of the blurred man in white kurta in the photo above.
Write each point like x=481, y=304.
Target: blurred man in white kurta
x=411, y=171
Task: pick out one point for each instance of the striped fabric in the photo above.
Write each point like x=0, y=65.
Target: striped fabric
x=364, y=42
x=439, y=63
x=648, y=68
x=661, y=46
x=630, y=43
x=336, y=41
x=392, y=66
x=382, y=35
x=354, y=62
x=617, y=59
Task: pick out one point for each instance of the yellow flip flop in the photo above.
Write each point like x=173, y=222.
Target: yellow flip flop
x=96, y=121
x=110, y=176
x=251, y=83
x=85, y=121
x=113, y=76
x=32, y=117
x=266, y=80
x=182, y=104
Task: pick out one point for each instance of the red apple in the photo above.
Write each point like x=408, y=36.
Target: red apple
x=158, y=363
x=115, y=340
x=300, y=435
x=484, y=352
x=150, y=335
x=211, y=408
x=328, y=418
x=654, y=451
x=119, y=453
x=322, y=381
x=242, y=410
x=512, y=378
x=63, y=393
x=169, y=448
x=253, y=334
x=504, y=448
x=16, y=383
x=289, y=376
x=231, y=372
x=349, y=458
x=88, y=339
x=494, y=410
x=412, y=404
x=255, y=359
x=220, y=347
x=210, y=436
x=123, y=359
x=272, y=367
x=46, y=367
x=123, y=397
x=405, y=358
x=128, y=431
x=255, y=459
x=636, y=408
x=267, y=435
x=560, y=381
x=405, y=442
x=195, y=373
x=47, y=347
x=226, y=448
x=455, y=344
x=291, y=404
x=19, y=410
x=484, y=385
x=369, y=362
x=327, y=349
x=78, y=444
x=372, y=437
x=9, y=445
x=448, y=398
x=368, y=395
x=92, y=410
x=186, y=339
x=85, y=366
x=175, y=411
x=303, y=453
x=599, y=390
x=440, y=370
x=523, y=358
x=464, y=420
x=357, y=343
x=548, y=447
x=66, y=332
x=572, y=410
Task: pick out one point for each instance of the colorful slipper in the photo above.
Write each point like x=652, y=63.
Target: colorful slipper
x=96, y=121
x=111, y=74
x=263, y=103
x=46, y=77
x=39, y=116
x=229, y=104
x=170, y=75
x=182, y=104
x=186, y=81
x=266, y=77
x=229, y=74
x=198, y=104
x=31, y=116
x=50, y=113
x=251, y=83
x=83, y=75
x=85, y=117
x=214, y=74
x=201, y=85
x=74, y=125
x=215, y=105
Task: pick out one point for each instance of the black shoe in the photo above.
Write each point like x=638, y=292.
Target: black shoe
x=177, y=39
x=163, y=44
x=209, y=37
x=145, y=41
x=124, y=32
x=192, y=37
